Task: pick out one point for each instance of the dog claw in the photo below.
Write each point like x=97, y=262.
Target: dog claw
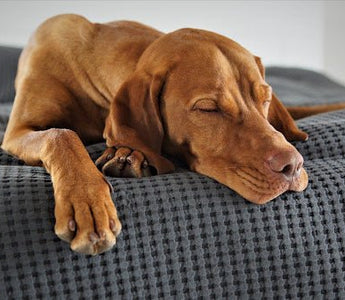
x=107, y=155
x=71, y=225
x=93, y=237
x=102, y=235
x=112, y=225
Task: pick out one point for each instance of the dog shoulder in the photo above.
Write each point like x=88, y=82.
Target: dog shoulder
x=63, y=30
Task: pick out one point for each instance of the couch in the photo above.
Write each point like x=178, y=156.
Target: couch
x=184, y=235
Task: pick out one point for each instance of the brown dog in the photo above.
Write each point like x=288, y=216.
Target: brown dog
x=191, y=93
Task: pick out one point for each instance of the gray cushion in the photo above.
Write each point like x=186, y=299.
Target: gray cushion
x=185, y=235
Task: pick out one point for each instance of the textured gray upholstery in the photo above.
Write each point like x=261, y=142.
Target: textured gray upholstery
x=185, y=235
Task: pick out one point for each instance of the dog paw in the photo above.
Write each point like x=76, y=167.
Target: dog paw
x=124, y=162
x=86, y=217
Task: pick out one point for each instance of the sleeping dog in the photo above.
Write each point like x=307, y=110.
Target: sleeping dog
x=192, y=94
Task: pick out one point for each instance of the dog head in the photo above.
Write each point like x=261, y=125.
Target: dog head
x=202, y=97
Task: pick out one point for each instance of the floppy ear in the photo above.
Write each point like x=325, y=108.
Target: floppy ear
x=279, y=117
x=282, y=121
x=134, y=119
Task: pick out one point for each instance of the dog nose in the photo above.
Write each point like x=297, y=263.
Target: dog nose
x=288, y=163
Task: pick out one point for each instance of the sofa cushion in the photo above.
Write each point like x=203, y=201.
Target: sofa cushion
x=185, y=235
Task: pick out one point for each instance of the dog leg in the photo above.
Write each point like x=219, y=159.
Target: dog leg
x=84, y=211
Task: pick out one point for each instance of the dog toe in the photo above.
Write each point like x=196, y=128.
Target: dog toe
x=107, y=155
x=65, y=225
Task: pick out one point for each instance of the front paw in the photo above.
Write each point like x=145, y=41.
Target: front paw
x=124, y=162
x=86, y=217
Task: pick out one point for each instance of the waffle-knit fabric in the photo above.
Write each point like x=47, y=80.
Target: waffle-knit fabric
x=184, y=235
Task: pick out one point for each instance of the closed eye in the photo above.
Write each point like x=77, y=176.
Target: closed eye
x=206, y=105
